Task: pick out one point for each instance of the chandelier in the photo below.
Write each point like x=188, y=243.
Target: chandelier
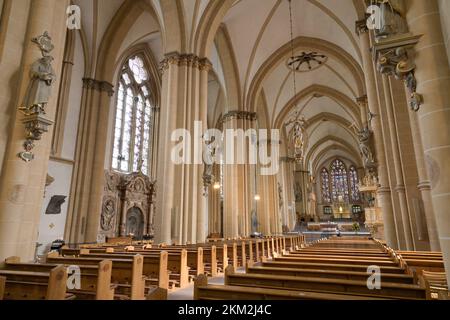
x=298, y=132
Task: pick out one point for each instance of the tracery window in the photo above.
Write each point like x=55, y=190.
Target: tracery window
x=134, y=114
x=325, y=180
x=353, y=178
x=339, y=182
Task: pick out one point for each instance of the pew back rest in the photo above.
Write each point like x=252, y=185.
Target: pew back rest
x=2, y=287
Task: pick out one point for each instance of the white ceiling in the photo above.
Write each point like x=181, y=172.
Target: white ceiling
x=257, y=30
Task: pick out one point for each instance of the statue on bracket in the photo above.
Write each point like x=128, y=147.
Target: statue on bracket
x=392, y=16
x=280, y=195
x=209, y=160
x=364, y=145
x=42, y=78
x=37, y=97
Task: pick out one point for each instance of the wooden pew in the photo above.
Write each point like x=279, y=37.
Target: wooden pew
x=210, y=260
x=126, y=273
x=341, y=253
x=22, y=285
x=232, y=254
x=155, y=267
x=95, y=280
x=2, y=287
x=331, y=266
x=338, y=256
x=330, y=274
x=337, y=286
x=349, y=260
x=436, y=283
x=176, y=267
x=204, y=291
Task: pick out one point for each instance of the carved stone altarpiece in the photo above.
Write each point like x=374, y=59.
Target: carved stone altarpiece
x=127, y=207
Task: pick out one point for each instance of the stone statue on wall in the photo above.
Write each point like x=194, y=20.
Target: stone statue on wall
x=312, y=203
x=280, y=195
x=255, y=222
x=298, y=193
x=392, y=15
x=42, y=78
x=209, y=159
x=364, y=146
x=108, y=213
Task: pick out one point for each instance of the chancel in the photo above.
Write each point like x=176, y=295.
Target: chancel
x=224, y=149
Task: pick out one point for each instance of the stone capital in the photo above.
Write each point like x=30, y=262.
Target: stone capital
x=101, y=86
x=362, y=101
x=395, y=57
x=287, y=159
x=187, y=60
x=239, y=115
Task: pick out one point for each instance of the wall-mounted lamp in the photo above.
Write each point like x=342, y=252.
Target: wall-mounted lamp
x=216, y=186
x=257, y=197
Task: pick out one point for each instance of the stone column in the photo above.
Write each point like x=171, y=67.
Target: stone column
x=400, y=183
x=22, y=184
x=433, y=82
x=286, y=185
x=63, y=99
x=424, y=184
x=83, y=219
x=180, y=186
x=384, y=192
x=237, y=220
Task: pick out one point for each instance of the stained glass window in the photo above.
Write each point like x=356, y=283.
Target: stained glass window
x=353, y=178
x=133, y=125
x=339, y=182
x=325, y=176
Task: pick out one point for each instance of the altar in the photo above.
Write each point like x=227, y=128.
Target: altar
x=341, y=209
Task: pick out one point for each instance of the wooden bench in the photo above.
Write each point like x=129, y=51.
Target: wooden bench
x=95, y=280
x=436, y=283
x=331, y=266
x=337, y=260
x=204, y=291
x=24, y=285
x=155, y=269
x=177, y=268
x=330, y=274
x=2, y=287
x=126, y=273
x=339, y=286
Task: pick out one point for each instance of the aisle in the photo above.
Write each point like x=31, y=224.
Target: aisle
x=188, y=292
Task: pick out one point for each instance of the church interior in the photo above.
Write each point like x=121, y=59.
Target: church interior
x=224, y=149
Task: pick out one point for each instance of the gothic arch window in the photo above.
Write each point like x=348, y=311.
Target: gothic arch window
x=134, y=119
x=353, y=178
x=325, y=181
x=339, y=182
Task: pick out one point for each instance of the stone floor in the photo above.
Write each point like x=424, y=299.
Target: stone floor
x=188, y=292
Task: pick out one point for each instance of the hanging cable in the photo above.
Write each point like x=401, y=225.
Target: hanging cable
x=292, y=49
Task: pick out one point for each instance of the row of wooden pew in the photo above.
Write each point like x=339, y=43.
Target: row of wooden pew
x=336, y=269
x=123, y=272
